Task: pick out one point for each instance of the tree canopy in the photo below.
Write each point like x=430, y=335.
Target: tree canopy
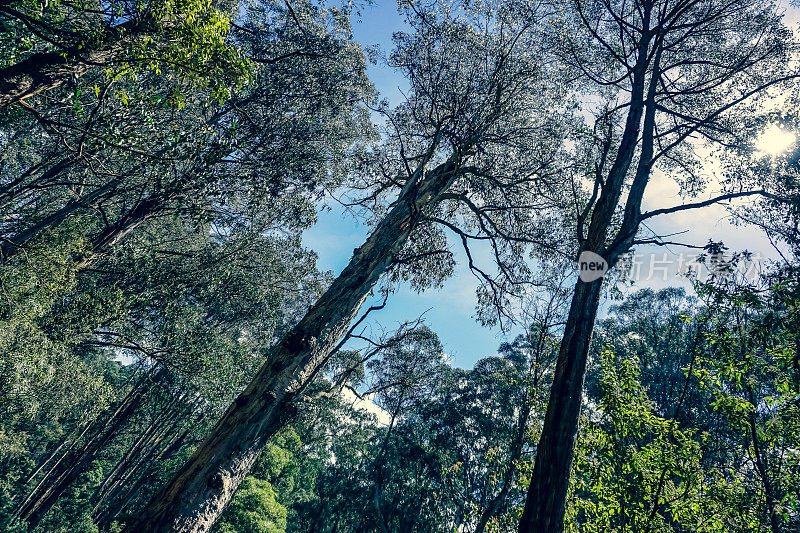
x=173, y=358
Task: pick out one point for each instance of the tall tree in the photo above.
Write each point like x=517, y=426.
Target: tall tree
x=477, y=122
x=665, y=72
x=134, y=156
x=125, y=151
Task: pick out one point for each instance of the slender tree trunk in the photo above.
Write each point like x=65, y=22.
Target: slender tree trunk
x=57, y=455
x=11, y=192
x=200, y=490
x=377, y=468
x=131, y=474
x=114, y=504
x=48, y=491
x=508, y=473
x=128, y=464
x=761, y=466
x=10, y=246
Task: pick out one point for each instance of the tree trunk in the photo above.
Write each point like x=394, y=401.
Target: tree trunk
x=10, y=192
x=762, y=468
x=44, y=71
x=544, y=508
x=48, y=490
x=11, y=246
x=511, y=467
x=66, y=444
x=131, y=459
x=200, y=490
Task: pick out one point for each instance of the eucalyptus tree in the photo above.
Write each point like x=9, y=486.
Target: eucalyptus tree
x=667, y=79
x=479, y=130
x=636, y=470
x=663, y=330
x=404, y=373
x=198, y=181
x=82, y=175
x=751, y=374
x=453, y=447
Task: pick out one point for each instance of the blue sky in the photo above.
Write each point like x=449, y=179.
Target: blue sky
x=449, y=310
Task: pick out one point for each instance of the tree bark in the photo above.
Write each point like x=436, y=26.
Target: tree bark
x=547, y=493
x=11, y=246
x=44, y=71
x=200, y=490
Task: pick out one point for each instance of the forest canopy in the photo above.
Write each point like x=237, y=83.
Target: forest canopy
x=175, y=357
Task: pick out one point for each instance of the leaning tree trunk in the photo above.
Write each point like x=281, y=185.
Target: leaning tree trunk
x=12, y=245
x=55, y=482
x=200, y=490
x=45, y=71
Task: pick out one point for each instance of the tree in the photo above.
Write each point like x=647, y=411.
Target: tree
x=751, y=376
x=452, y=450
x=664, y=72
x=136, y=150
x=475, y=115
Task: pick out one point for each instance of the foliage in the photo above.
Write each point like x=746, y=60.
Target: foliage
x=188, y=38
x=691, y=433
x=255, y=509
x=153, y=203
